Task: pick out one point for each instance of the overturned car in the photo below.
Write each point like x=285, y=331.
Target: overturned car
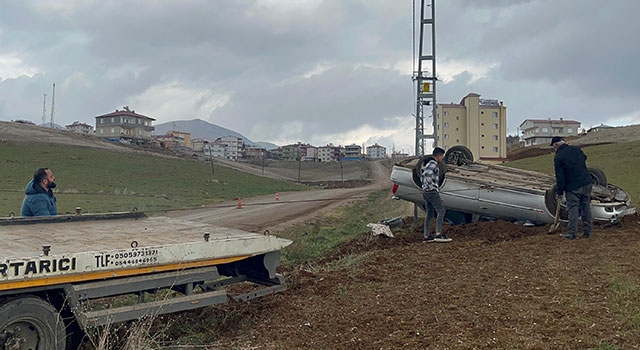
x=473, y=191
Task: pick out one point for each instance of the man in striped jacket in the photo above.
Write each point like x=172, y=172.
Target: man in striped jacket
x=431, y=195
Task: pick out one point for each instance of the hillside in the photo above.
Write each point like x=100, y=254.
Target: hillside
x=613, y=135
x=206, y=131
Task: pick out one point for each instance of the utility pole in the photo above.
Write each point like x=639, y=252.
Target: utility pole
x=425, y=80
x=44, y=110
x=53, y=101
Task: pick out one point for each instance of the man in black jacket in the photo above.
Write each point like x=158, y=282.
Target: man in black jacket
x=573, y=179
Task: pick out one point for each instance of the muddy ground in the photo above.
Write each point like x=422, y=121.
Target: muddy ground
x=496, y=286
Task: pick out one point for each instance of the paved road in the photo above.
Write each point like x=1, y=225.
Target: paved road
x=266, y=213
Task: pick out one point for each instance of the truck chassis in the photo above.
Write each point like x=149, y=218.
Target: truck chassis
x=48, y=300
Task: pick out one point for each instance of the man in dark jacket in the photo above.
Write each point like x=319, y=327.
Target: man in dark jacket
x=573, y=179
x=39, y=199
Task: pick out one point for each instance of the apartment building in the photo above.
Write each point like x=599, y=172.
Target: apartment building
x=226, y=147
x=290, y=152
x=255, y=153
x=124, y=124
x=399, y=155
x=169, y=141
x=80, y=128
x=540, y=131
x=215, y=150
x=329, y=153
x=299, y=151
x=479, y=124
x=184, y=138
x=376, y=152
x=198, y=144
x=353, y=151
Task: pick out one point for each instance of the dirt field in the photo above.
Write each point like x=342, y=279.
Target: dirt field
x=496, y=286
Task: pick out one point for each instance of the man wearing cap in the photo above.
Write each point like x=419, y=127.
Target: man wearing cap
x=431, y=194
x=573, y=179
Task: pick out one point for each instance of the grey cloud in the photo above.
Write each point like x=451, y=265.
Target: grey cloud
x=553, y=58
x=340, y=99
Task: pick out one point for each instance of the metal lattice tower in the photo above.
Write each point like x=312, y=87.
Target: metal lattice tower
x=44, y=110
x=53, y=101
x=425, y=80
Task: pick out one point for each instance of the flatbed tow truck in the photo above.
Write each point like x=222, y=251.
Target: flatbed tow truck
x=54, y=269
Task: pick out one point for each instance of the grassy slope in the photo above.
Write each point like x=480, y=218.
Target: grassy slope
x=105, y=181
x=620, y=162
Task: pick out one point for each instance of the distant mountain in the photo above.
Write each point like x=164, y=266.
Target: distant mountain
x=199, y=129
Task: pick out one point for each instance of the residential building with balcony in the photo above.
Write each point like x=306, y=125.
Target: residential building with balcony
x=329, y=153
x=198, y=144
x=541, y=131
x=299, y=152
x=226, y=147
x=169, y=141
x=183, y=137
x=479, y=124
x=353, y=151
x=80, y=128
x=254, y=153
x=124, y=124
x=399, y=155
x=308, y=153
x=376, y=152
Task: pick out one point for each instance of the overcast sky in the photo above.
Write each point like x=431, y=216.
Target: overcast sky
x=316, y=71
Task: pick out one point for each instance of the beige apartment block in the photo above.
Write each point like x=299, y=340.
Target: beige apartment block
x=478, y=124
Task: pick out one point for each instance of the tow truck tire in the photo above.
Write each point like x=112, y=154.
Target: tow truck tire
x=31, y=323
x=458, y=155
x=598, y=177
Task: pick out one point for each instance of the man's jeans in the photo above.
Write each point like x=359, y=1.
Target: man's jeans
x=579, y=205
x=434, y=207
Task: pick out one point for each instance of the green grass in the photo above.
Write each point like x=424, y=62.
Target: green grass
x=620, y=162
x=105, y=181
x=315, y=238
x=625, y=298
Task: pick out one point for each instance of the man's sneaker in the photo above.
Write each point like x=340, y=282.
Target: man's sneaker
x=568, y=236
x=441, y=238
x=428, y=239
x=586, y=236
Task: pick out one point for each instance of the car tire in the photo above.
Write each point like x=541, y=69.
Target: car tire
x=551, y=203
x=417, y=172
x=598, y=177
x=458, y=155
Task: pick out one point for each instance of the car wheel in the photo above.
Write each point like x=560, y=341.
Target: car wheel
x=458, y=155
x=417, y=171
x=598, y=177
